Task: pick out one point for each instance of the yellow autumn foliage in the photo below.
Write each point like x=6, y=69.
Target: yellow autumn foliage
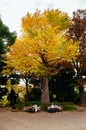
x=43, y=43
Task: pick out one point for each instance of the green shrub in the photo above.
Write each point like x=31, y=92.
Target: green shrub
x=68, y=107
x=45, y=105
x=33, y=102
x=19, y=106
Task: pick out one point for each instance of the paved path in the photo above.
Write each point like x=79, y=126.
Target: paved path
x=42, y=121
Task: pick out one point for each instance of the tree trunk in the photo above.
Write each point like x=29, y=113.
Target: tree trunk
x=45, y=91
x=27, y=93
x=81, y=93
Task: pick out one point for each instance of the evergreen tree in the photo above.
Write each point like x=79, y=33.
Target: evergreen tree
x=7, y=38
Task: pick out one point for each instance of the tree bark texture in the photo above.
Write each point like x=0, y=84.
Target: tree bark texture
x=45, y=91
x=27, y=93
x=81, y=93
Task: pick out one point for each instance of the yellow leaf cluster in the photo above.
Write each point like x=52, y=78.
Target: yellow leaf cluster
x=43, y=43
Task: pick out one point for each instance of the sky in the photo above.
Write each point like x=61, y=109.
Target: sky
x=12, y=11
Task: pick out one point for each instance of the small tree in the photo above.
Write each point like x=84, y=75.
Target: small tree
x=77, y=32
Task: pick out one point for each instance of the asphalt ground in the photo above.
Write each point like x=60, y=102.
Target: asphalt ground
x=69, y=120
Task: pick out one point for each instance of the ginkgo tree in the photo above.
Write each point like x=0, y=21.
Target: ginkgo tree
x=42, y=45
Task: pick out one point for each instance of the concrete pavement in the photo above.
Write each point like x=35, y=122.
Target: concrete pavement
x=71, y=120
